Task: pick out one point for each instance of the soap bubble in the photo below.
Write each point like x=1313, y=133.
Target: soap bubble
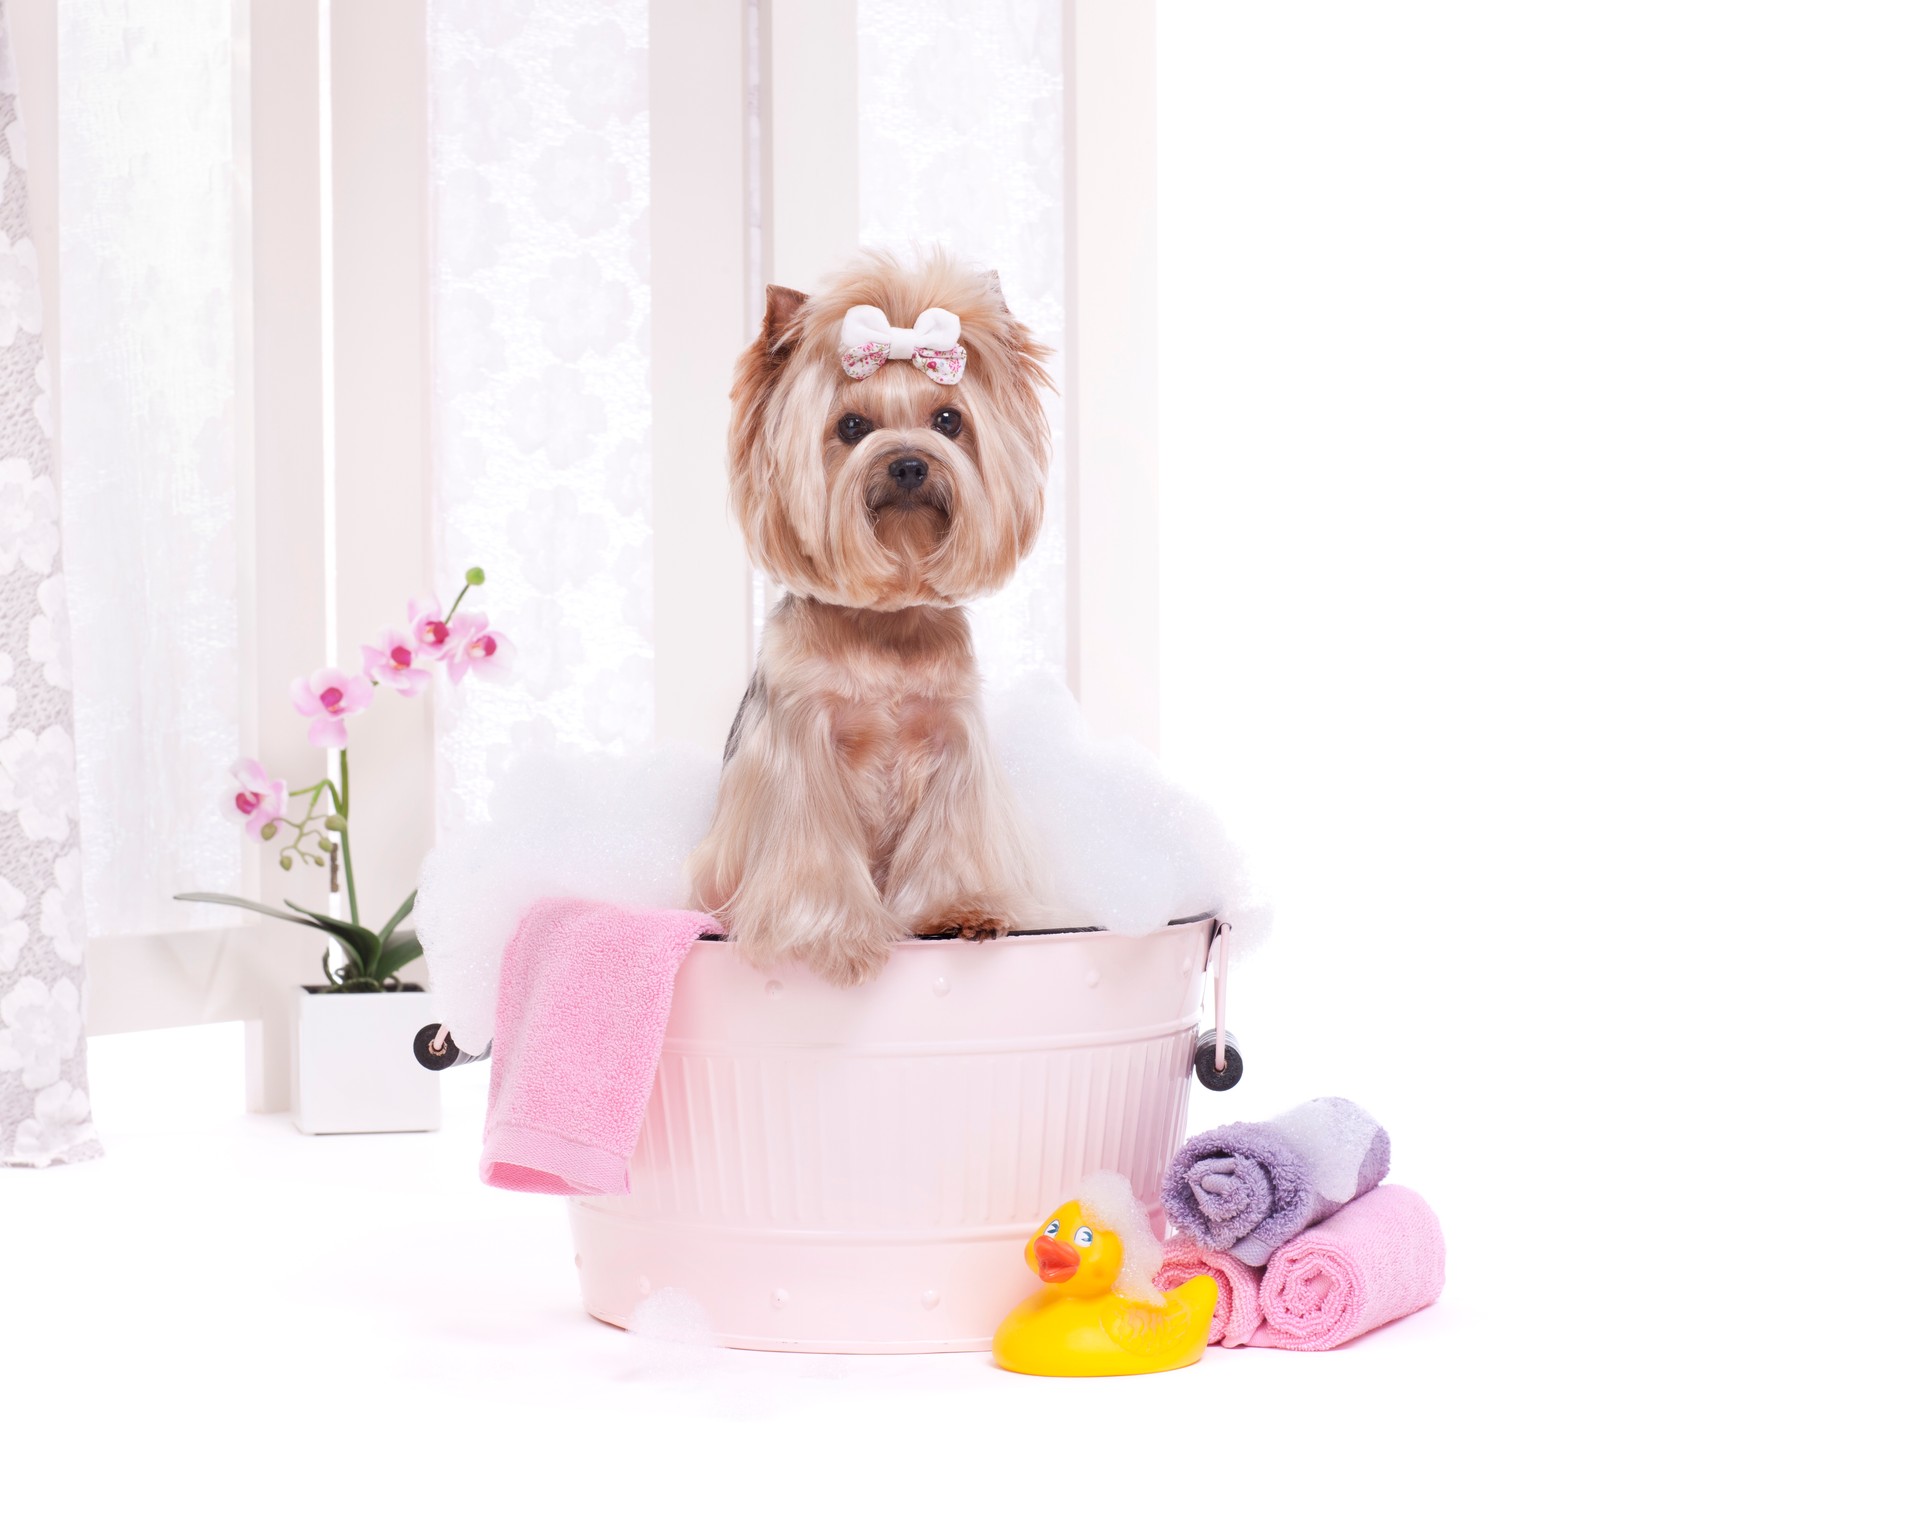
x=671, y=1338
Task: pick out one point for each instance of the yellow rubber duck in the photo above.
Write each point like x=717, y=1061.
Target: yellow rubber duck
x=1098, y=1311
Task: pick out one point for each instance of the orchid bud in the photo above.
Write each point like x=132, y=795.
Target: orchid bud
x=324, y=844
x=286, y=860
x=336, y=822
x=269, y=831
x=476, y=576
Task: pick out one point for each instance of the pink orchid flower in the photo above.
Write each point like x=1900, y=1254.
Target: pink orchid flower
x=329, y=697
x=429, y=632
x=392, y=661
x=257, y=800
x=477, y=648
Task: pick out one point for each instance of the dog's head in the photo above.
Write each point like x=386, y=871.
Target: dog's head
x=870, y=482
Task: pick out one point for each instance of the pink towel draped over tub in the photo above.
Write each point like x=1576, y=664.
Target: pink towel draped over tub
x=585, y=990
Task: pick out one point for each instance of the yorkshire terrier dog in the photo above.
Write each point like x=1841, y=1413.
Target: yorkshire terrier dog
x=888, y=460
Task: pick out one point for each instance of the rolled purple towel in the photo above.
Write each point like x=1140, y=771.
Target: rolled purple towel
x=1248, y=1188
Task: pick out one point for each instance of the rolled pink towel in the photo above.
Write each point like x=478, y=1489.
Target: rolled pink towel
x=585, y=989
x=1238, y=1310
x=1378, y=1259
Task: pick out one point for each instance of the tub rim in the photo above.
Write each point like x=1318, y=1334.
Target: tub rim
x=1022, y=932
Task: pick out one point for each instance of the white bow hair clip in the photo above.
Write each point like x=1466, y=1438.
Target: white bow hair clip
x=933, y=345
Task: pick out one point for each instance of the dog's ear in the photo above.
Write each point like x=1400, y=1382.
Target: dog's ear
x=765, y=359
x=783, y=307
x=994, y=291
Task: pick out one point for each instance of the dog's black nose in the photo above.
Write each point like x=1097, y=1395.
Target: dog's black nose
x=908, y=473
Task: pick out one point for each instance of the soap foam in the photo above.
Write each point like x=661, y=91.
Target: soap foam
x=1121, y=845
x=671, y=1338
x=609, y=828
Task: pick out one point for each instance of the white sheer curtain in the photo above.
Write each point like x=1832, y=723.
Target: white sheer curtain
x=963, y=142
x=148, y=307
x=541, y=395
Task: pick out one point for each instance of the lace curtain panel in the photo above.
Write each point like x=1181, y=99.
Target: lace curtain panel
x=541, y=392
x=44, y=1114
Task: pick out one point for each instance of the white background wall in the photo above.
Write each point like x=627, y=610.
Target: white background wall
x=1540, y=497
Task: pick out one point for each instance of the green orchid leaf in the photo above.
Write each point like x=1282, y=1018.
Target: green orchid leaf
x=302, y=920
x=403, y=950
x=406, y=910
x=378, y=967
x=359, y=942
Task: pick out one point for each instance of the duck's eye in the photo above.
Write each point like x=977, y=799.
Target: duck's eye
x=853, y=427
x=1083, y=1237
x=948, y=421
x=1053, y=1228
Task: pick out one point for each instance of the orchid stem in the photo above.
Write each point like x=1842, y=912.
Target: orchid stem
x=346, y=862
x=457, y=601
x=340, y=800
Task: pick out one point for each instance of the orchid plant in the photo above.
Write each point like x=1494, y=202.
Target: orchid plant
x=314, y=823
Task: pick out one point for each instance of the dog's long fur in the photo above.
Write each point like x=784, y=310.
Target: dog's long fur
x=860, y=802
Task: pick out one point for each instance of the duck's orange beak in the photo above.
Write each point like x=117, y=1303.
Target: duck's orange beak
x=1056, y=1263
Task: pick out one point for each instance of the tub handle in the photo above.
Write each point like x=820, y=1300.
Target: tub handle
x=1217, y=962
x=1226, y=1065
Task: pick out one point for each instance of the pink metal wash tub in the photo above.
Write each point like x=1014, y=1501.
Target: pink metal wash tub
x=858, y=1171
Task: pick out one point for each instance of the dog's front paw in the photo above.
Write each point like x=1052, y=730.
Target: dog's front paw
x=851, y=956
x=972, y=925
x=847, y=945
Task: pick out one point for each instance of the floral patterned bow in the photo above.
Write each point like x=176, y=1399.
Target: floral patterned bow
x=933, y=345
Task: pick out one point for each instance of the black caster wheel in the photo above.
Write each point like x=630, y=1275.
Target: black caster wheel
x=1218, y=1078
x=448, y=1054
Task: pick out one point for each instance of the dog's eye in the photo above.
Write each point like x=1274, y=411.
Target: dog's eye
x=853, y=427
x=948, y=421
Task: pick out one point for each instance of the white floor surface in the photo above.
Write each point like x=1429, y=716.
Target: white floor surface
x=223, y=1324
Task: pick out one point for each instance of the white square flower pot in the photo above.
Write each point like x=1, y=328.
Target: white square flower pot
x=353, y=1065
